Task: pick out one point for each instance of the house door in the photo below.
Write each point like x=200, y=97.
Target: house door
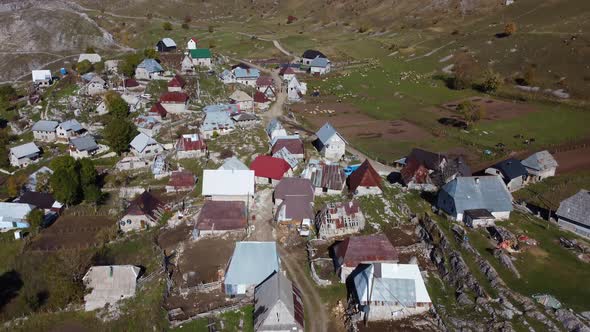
x=142, y=223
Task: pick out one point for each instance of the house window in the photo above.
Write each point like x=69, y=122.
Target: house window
x=128, y=221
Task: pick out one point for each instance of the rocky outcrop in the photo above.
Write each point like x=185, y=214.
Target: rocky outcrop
x=570, y=321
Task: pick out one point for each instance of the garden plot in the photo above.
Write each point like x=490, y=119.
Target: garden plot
x=73, y=232
x=245, y=144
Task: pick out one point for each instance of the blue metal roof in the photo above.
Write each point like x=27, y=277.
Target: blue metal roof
x=217, y=120
x=230, y=108
x=45, y=125
x=483, y=192
x=326, y=132
x=252, y=262
x=246, y=73
x=319, y=62
x=150, y=65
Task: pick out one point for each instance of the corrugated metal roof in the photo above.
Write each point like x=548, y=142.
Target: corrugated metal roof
x=326, y=132
x=365, y=176
x=219, y=182
x=483, y=192
x=540, y=161
x=355, y=250
x=243, y=73
x=287, y=156
x=222, y=215
x=151, y=66
x=235, y=164
x=41, y=75
x=200, y=53
x=319, y=62
x=141, y=141
x=216, y=121
x=72, y=125
x=14, y=212
x=239, y=96
x=273, y=290
x=45, y=125
x=168, y=42
x=252, y=263
x=84, y=143
x=25, y=150
x=294, y=187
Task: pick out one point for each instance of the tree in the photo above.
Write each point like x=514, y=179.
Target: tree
x=167, y=26
x=65, y=180
x=151, y=53
x=530, y=75
x=90, y=49
x=211, y=29
x=7, y=91
x=35, y=219
x=465, y=69
x=119, y=134
x=509, y=28
x=492, y=81
x=116, y=105
x=42, y=182
x=212, y=43
x=184, y=26
x=127, y=67
x=88, y=174
x=15, y=184
x=84, y=67
x=92, y=194
x=470, y=112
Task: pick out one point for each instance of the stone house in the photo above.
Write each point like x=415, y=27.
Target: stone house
x=341, y=218
x=45, y=131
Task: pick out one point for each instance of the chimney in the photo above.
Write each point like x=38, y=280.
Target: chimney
x=476, y=180
x=110, y=271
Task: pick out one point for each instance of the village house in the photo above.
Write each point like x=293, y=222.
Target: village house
x=42, y=78
x=327, y=179
x=181, y=181
x=166, y=45
x=143, y=212
x=174, y=102
x=264, y=82
x=109, y=285
x=44, y=131
x=245, y=120
x=539, y=166
x=330, y=143
x=463, y=194
x=270, y=170
x=68, y=130
x=227, y=108
x=341, y=218
x=309, y=55
x=201, y=57
x=131, y=84
x=293, y=144
x=14, y=215
x=320, y=66
x=251, y=263
x=246, y=76
x=278, y=305
x=235, y=164
x=186, y=66
x=261, y=101
x=96, y=86
x=428, y=171
x=228, y=185
x=386, y=291
x=33, y=179
x=24, y=155
x=365, y=249
x=275, y=129
x=296, y=90
x=91, y=57
x=192, y=43
x=148, y=69
x=511, y=171
x=574, y=213
x=83, y=147
x=227, y=77
x=158, y=111
x=365, y=181
x=143, y=145
x=43, y=201
x=132, y=163
x=287, y=73
x=244, y=101
x=288, y=157
x=190, y=146
x=222, y=217
x=176, y=84
x=293, y=202
x=148, y=125
x=216, y=123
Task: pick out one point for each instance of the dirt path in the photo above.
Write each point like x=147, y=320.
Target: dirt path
x=314, y=307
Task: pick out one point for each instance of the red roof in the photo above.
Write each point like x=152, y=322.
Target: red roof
x=195, y=39
x=157, y=108
x=357, y=250
x=174, y=97
x=145, y=204
x=222, y=215
x=364, y=176
x=190, y=143
x=177, y=82
x=260, y=97
x=181, y=179
x=130, y=83
x=415, y=171
x=269, y=167
x=264, y=81
x=286, y=70
x=294, y=146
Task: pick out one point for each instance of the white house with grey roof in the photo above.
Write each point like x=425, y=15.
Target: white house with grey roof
x=45, y=130
x=109, y=284
x=69, y=129
x=148, y=69
x=42, y=78
x=463, y=195
x=574, y=213
x=330, y=143
x=278, y=305
x=143, y=145
x=275, y=129
x=14, y=215
x=320, y=66
x=24, y=155
x=540, y=165
x=234, y=164
x=251, y=263
x=389, y=291
x=83, y=147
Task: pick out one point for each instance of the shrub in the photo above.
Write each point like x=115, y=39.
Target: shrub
x=167, y=26
x=492, y=81
x=509, y=28
x=291, y=19
x=211, y=29
x=184, y=26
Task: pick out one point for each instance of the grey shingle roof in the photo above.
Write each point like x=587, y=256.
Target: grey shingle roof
x=84, y=143
x=540, y=161
x=483, y=192
x=141, y=141
x=277, y=289
x=576, y=208
x=72, y=124
x=24, y=150
x=326, y=132
x=45, y=125
x=150, y=65
x=319, y=62
x=511, y=168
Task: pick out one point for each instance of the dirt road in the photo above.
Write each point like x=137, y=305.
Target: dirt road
x=314, y=307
